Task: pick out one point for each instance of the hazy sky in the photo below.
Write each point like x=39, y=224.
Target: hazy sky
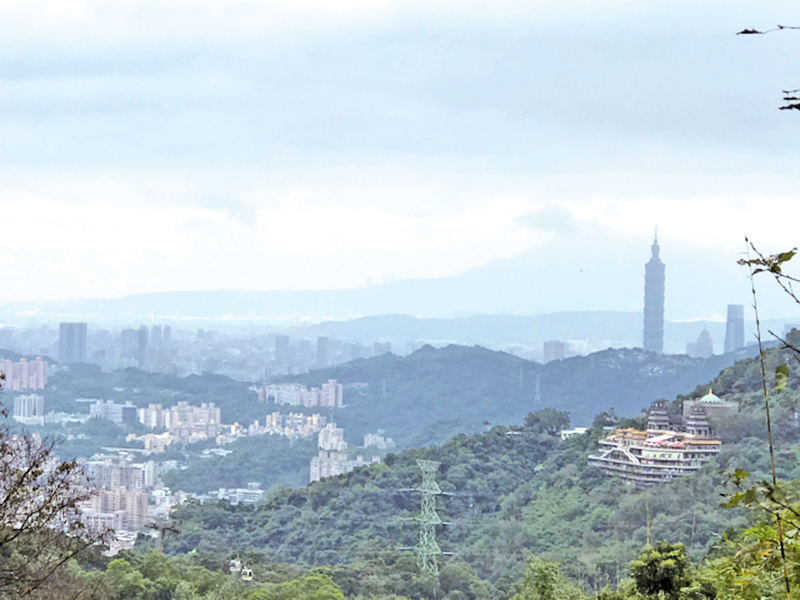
x=151, y=146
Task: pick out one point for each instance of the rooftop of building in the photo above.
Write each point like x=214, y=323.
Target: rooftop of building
x=711, y=398
x=659, y=438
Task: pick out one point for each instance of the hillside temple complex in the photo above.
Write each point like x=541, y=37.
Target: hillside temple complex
x=674, y=444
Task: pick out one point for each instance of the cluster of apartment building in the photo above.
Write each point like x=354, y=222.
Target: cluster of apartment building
x=28, y=409
x=109, y=475
x=294, y=425
x=127, y=496
x=25, y=375
x=332, y=459
x=330, y=394
x=119, y=509
x=675, y=443
x=185, y=422
x=120, y=501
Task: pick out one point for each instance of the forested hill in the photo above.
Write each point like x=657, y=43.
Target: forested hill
x=426, y=397
x=515, y=490
x=430, y=395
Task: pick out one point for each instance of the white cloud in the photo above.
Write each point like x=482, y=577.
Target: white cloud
x=284, y=144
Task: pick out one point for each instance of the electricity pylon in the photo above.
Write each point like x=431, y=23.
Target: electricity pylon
x=427, y=549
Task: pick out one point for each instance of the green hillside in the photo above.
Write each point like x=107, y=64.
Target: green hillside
x=407, y=394
x=516, y=490
x=423, y=398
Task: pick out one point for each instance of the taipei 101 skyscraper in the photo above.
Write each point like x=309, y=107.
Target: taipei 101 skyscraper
x=654, y=301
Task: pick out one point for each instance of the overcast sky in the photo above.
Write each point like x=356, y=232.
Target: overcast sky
x=154, y=146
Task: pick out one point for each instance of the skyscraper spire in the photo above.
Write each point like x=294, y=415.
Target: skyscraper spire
x=654, y=300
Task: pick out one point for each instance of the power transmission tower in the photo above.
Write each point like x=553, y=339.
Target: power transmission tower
x=162, y=525
x=427, y=549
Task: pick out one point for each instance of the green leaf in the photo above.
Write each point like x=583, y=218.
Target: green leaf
x=781, y=377
x=751, y=496
x=735, y=500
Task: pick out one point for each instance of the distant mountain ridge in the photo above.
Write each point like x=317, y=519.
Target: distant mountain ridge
x=588, y=330
x=413, y=395
x=587, y=272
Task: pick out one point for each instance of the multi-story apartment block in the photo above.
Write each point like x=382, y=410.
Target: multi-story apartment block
x=331, y=394
x=378, y=441
x=25, y=375
x=185, y=422
x=252, y=494
x=119, y=509
x=182, y=414
x=152, y=416
x=332, y=438
x=284, y=393
x=332, y=458
x=328, y=464
x=29, y=409
x=294, y=424
x=331, y=464
x=157, y=443
x=108, y=475
x=118, y=413
x=310, y=397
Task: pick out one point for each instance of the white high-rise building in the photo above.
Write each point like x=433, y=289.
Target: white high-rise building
x=331, y=394
x=331, y=437
x=29, y=409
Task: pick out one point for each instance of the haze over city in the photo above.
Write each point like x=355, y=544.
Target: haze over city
x=383, y=300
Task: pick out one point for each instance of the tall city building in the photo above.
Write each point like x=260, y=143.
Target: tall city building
x=282, y=349
x=72, y=342
x=734, y=328
x=134, y=346
x=323, y=351
x=141, y=347
x=654, y=301
x=553, y=350
x=155, y=337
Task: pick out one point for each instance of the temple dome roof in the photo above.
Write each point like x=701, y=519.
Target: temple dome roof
x=710, y=398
